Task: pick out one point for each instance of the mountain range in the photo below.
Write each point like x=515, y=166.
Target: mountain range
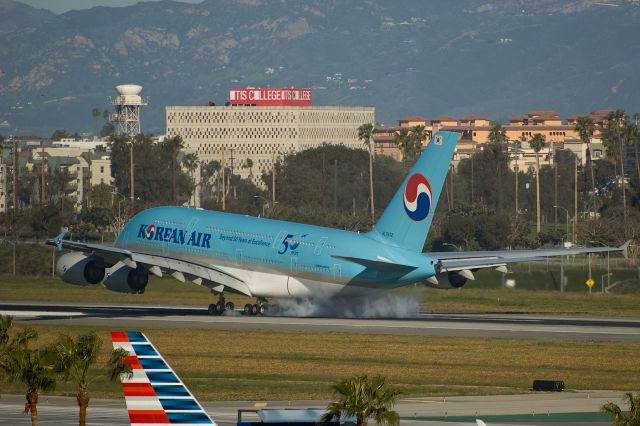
x=405, y=57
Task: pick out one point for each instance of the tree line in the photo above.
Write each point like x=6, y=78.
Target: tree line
x=485, y=203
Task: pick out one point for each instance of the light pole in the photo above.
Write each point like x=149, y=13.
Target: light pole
x=562, y=257
x=452, y=245
x=608, y=275
x=567, y=219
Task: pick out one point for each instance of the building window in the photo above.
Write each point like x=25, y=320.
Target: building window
x=101, y=169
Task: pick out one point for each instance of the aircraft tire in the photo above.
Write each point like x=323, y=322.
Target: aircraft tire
x=262, y=309
x=230, y=306
x=219, y=308
x=255, y=309
x=211, y=309
x=247, y=309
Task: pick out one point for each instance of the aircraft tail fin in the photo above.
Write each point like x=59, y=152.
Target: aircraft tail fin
x=406, y=221
x=154, y=393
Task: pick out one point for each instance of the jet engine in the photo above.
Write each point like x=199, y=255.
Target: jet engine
x=450, y=279
x=123, y=279
x=79, y=269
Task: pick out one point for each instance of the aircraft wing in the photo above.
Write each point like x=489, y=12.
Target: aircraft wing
x=461, y=260
x=154, y=393
x=180, y=269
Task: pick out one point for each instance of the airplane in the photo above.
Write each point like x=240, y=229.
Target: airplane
x=153, y=392
x=273, y=259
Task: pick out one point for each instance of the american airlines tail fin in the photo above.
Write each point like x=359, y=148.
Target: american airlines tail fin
x=154, y=393
x=406, y=221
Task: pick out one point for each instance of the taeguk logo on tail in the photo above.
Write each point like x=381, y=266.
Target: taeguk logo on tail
x=417, y=197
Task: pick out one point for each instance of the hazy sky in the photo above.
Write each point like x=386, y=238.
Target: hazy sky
x=61, y=6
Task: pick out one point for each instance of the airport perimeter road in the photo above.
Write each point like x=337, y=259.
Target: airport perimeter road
x=479, y=325
x=527, y=409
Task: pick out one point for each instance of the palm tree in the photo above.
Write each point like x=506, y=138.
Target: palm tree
x=631, y=135
x=96, y=114
x=536, y=143
x=363, y=398
x=619, y=417
x=34, y=368
x=497, y=134
x=190, y=161
x=6, y=322
x=586, y=128
x=418, y=134
x=365, y=134
x=75, y=357
x=403, y=141
x=207, y=172
x=613, y=137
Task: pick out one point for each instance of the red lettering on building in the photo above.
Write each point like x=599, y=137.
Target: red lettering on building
x=271, y=97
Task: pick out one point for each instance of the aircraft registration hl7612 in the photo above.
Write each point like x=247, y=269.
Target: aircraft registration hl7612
x=272, y=259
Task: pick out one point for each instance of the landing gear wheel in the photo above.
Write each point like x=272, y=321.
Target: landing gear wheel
x=230, y=307
x=219, y=308
x=211, y=309
x=247, y=309
x=262, y=309
x=255, y=309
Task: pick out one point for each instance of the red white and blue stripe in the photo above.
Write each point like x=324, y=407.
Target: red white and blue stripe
x=154, y=394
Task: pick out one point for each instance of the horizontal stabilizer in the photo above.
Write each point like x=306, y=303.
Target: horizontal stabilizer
x=460, y=264
x=379, y=265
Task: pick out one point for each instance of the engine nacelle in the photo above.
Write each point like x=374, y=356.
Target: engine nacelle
x=79, y=269
x=123, y=279
x=448, y=280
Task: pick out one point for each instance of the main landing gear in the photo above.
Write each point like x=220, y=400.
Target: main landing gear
x=259, y=308
x=221, y=306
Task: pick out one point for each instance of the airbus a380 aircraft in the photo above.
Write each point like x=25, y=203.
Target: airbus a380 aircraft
x=266, y=258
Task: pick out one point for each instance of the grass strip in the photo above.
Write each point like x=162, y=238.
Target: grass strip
x=473, y=298
x=246, y=365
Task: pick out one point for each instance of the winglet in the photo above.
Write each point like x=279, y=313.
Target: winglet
x=625, y=249
x=58, y=240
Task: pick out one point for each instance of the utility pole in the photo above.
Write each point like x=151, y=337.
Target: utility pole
x=224, y=190
x=517, y=170
x=15, y=175
x=451, y=172
x=273, y=180
x=555, y=187
x=42, y=171
x=335, y=185
x=575, y=200
x=472, y=185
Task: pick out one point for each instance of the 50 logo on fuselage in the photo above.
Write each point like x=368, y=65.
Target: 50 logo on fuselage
x=290, y=243
x=417, y=197
x=175, y=236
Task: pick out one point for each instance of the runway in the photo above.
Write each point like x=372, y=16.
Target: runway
x=425, y=324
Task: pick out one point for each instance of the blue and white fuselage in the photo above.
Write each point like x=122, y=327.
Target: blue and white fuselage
x=274, y=258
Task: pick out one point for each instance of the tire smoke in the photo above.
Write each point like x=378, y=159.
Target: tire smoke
x=379, y=305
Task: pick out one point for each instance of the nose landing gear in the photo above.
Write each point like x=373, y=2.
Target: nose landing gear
x=221, y=306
